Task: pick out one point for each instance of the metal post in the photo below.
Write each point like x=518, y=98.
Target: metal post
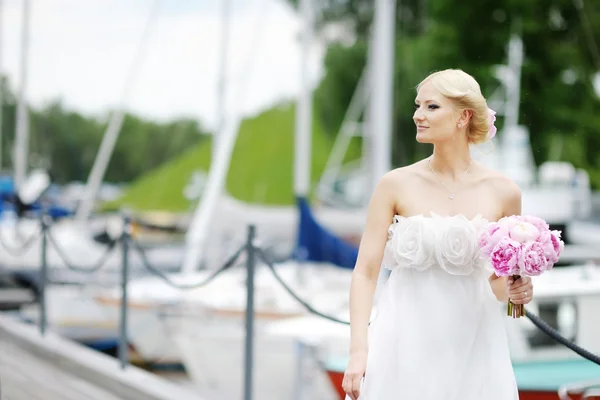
x=123, y=342
x=43, y=275
x=249, y=349
x=299, y=391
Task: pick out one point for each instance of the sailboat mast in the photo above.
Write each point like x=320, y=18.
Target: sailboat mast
x=381, y=67
x=380, y=108
x=1, y=85
x=22, y=125
x=303, y=127
x=222, y=75
x=513, y=87
x=115, y=123
x=200, y=225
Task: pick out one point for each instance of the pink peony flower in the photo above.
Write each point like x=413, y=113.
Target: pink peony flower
x=520, y=245
x=524, y=232
x=492, y=118
x=538, y=222
x=485, y=244
x=498, y=234
x=508, y=222
x=545, y=240
x=494, y=226
x=505, y=257
x=491, y=236
x=533, y=261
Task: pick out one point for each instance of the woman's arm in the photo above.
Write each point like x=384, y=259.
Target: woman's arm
x=380, y=215
x=382, y=208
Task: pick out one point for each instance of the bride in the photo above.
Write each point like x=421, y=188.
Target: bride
x=438, y=333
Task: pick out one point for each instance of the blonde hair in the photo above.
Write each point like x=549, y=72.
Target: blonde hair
x=464, y=91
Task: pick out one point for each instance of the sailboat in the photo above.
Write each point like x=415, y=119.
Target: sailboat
x=212, y=349
x=155, y=307
x=22, y=198
x=71, y=310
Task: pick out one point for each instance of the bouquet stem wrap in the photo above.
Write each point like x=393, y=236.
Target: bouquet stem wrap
x=515, y=310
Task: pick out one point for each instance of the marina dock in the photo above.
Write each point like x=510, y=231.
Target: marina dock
x=36, y=367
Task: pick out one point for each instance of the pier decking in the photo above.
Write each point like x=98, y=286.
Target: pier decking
x=23, y=376
x=33, y=367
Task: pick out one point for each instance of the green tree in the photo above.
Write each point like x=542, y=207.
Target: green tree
x=66, y=142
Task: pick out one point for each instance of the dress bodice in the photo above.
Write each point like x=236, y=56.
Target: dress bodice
x=449, y=242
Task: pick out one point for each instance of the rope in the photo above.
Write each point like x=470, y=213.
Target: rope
x=95, y=266
x=553, y=333
x=310, y=308
x=228, y=264
x=23, y=247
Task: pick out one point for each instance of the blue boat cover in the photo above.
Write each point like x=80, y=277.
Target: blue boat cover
x=317, y=244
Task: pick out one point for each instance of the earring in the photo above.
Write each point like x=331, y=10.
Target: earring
x=460, y=125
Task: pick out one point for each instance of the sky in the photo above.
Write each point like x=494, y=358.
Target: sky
x=82, y=53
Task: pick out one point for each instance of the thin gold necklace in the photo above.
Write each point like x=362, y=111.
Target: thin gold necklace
x=450, y=193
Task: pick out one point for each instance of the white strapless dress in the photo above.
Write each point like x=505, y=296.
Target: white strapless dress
x=438, y=333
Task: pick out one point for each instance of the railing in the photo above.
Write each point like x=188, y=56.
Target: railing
x=254, y=254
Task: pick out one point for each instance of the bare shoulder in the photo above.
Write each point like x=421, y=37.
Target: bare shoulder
x=399, y=180
x=502, y=184
x=403, y=175
x=504, y=189
x=382, y=208
x=394, y=181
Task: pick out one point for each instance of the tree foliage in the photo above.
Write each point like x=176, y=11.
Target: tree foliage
x=558, y=101
x=66, y=142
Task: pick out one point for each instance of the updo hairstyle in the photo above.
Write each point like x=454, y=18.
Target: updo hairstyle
x=464, y=91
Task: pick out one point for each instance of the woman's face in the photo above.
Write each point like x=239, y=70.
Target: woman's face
x=435, y=116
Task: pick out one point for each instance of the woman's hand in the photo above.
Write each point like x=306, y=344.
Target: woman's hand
x=520, y=291
x=354, y=373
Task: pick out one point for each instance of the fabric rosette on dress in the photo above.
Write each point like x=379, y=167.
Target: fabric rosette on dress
x=422, y=242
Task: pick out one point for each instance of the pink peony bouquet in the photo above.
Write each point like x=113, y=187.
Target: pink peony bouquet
x=520, y=245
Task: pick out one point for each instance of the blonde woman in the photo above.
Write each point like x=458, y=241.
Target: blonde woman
x=438, y=333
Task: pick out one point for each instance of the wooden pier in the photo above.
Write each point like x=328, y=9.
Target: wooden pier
x=35, y=367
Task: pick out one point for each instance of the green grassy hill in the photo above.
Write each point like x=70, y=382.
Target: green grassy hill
x=261, y=169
